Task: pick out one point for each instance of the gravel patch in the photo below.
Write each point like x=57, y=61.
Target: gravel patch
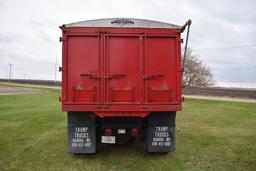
x=5, y=90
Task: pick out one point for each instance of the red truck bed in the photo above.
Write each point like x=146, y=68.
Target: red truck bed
x=121, y=71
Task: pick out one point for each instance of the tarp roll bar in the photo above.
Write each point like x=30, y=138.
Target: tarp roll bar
x=188, y=23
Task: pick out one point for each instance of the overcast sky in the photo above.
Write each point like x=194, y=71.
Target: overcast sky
x=223, y=33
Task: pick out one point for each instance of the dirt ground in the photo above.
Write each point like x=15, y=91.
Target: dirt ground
x=8, y=90
x=221, y=92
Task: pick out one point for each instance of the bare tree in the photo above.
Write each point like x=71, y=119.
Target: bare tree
x=196, y=73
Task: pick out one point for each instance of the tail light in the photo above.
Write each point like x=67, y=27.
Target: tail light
x=134, y=132
x=108, y=132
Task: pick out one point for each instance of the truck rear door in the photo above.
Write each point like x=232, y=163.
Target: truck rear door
x=160, y=69
x=83, y=58
x=123, y=69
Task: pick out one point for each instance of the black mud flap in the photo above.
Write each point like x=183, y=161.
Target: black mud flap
x=160, y=132
x=81, y=132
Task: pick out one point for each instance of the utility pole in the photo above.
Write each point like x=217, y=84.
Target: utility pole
x=10, y=72
x=6, y=73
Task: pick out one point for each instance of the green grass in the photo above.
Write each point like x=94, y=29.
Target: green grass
x=213, y=135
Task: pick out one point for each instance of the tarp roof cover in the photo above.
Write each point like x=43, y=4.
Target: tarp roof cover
x=122, y=22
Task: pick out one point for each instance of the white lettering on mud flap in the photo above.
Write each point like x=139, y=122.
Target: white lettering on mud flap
x=161, y=136
x=81, y=138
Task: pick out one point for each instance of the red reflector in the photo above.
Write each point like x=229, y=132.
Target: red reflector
x=108, y=132
x=134, y=132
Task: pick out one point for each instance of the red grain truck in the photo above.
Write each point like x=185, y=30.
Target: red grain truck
x=121, y=79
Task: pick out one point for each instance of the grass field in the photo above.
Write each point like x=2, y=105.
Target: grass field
x=213, y=135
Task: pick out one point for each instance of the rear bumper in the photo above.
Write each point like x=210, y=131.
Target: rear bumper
x=122, y=110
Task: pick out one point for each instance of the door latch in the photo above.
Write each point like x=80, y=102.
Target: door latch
x=90, y=75
x=115, y=76
x=155, y=75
